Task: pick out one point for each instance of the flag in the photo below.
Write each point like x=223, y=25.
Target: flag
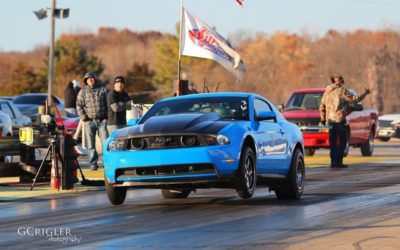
x=240, y=2
x=200, y=40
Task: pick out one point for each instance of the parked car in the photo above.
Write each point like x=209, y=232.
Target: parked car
x=5, y=130
x=302, y=109
x=229, y=140
x=8, y=98
x=29, y=103
x=18, y=120
x=389, y=126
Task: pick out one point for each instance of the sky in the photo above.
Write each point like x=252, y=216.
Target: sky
x=21, y=31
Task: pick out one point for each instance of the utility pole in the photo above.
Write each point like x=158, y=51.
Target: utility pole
x=54, y=13
x=51, y=55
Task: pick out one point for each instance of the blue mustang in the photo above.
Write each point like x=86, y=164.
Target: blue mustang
x=229, y=140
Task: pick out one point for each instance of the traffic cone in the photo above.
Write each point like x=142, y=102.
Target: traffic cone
x=54, y=177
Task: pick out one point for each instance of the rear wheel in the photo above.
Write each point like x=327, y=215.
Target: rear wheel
x=175, y=193
x=294, y=186
x=246, y=178
x=384, y=138
x=116, y=195
x=309, y=151
x=367, y=148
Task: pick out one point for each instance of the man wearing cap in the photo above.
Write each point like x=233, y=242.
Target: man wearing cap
x=333, y=111
x=118, y=102
x=91, y=105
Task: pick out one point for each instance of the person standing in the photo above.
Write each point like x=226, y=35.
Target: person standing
x=118, y=102
x=70, y=95
x=92, y=110
x=333, y=111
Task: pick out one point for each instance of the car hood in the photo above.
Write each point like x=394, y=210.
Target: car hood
x=196, y=123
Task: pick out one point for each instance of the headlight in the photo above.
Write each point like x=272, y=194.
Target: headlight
x=217, y=140
x=115, y=145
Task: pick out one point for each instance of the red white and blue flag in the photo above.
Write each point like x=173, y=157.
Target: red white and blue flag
x=200, y=40
x=240, y=2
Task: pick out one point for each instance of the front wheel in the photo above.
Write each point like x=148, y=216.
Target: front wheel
x=367, y=148
x=116, y=195
x=294, y=186
x=175, y=194
x=246, y=177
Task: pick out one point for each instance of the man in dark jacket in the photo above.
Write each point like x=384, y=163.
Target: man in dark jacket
x=118, y=102
x=92, y=110
x=70, y=95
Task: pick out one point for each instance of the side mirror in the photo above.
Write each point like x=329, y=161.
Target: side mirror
x=280, y=107
x=133, y=122
x=266, y=115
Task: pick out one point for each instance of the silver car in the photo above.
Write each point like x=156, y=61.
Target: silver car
x=5, y=130
x=18, y=120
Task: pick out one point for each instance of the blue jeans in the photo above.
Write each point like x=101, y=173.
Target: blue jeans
x=337, y=141
x=91, y=128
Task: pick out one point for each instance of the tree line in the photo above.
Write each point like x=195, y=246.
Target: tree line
x=276, y=64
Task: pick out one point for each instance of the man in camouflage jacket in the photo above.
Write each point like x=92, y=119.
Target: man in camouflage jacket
x=91, y=105
x=333, y=110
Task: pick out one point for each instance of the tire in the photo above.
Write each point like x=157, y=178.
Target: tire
x=246, y=179
x=116, y=195
x=367, y=148
x=384, y=138
x=309, y=151
x=6, y=159
x=175, y=194
x=294, y=185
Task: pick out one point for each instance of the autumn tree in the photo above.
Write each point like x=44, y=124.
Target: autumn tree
x=72, y=62
x=24, y=79
x=139, y=83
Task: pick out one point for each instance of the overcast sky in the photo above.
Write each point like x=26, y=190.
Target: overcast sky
x=21, y=31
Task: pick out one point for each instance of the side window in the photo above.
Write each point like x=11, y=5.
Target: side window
x=5, y=108
x=260, y=105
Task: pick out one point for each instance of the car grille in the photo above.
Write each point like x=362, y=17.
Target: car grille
x=166, y=170
x=305, y=122
x=160, y=142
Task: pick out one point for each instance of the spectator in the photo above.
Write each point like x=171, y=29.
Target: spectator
x=333, y=110
x=70, y=95
x=118, y=102
x=92, y=110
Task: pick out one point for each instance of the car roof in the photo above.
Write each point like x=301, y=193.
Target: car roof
x=215, y=94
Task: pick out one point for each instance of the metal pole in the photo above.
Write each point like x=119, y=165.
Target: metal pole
x=51, y=54
x=180, y=42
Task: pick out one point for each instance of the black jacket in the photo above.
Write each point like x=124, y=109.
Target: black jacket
x=70, y=95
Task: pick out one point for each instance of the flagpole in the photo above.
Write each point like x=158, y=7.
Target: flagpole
x=180, y=42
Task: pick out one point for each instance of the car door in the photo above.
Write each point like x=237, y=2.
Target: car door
x=271, y=141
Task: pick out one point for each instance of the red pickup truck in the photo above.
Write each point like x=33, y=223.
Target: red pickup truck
x=302, y=109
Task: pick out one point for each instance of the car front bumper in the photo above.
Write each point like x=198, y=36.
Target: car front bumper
x=170, y=166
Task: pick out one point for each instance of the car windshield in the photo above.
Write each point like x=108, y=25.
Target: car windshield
x=32, y=99
x=307, y=101
x=234, y=108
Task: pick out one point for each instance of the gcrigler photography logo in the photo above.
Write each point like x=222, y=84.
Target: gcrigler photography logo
x=53, y=234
